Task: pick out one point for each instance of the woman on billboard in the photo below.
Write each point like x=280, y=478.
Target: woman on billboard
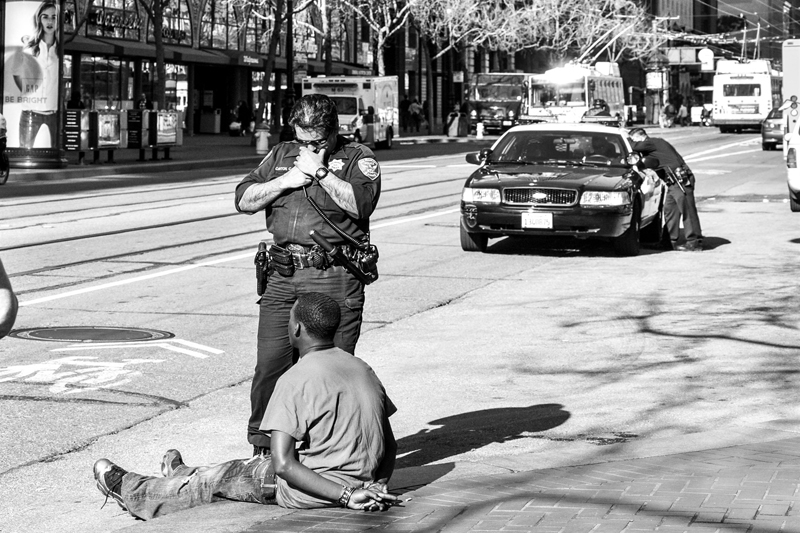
x=40, y=108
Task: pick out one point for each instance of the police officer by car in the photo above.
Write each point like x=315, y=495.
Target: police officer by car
x=317, y=192
x=679, y=201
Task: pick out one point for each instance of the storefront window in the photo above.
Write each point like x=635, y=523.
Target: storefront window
x=105, y=81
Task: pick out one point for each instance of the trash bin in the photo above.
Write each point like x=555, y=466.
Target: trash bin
x=262, y=138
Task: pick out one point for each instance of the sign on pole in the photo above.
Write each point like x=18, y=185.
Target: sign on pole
x=33, y=54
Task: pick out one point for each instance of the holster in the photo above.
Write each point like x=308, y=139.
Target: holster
x=263, y=268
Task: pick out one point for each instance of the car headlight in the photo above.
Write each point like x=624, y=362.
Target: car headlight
x=473, y=114
x=510, y=114
x=485, y=196
x=609, y=198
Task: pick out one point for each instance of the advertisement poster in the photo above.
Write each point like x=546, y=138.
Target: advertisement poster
x=31, y=76
x=167, y=127
x=108, y=131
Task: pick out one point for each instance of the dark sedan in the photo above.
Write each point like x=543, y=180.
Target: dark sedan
x=578, y=180
x=772, y=130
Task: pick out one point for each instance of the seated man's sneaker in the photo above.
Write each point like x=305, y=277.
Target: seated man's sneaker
x=109, y=480
x=170, y=462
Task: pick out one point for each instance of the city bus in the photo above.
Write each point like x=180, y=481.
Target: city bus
x=494, y=98
x=745, y=91
x=565, y=94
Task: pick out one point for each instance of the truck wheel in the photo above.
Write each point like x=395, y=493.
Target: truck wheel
x=387, y=144
x=473, y=242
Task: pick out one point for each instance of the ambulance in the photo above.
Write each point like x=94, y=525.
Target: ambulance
x=367, y=106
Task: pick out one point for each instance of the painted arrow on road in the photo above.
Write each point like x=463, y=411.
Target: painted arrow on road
x=168, y=345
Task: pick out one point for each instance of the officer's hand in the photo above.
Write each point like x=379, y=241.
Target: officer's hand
x=294, y=179
x=309, y=161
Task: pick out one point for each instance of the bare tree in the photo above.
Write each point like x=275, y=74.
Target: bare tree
x=565, y=27
x=155, y=12
x=385, y=18
x=79, y=17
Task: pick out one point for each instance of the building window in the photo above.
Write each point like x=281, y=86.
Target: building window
x=118, y=19
x=220, y=26
x=177, y=28
x=104, y=81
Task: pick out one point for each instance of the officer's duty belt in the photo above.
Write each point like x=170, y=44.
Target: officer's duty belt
x=289, y=257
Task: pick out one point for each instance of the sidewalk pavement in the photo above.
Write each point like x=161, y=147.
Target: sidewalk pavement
x=743, y=479
x=198, y=151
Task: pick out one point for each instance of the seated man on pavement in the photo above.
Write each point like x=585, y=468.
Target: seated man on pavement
x=331, y=440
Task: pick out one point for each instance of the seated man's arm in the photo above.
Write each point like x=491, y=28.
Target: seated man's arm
x=8, y=304
x=386, y=468
x=301, y=477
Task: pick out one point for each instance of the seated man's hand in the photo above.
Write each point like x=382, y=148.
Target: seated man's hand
x=371, y=500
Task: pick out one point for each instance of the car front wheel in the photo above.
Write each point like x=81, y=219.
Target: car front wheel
x=473, y=242
x=628, y=244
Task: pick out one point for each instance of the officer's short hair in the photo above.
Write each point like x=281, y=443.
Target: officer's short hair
x=315, y=112
x=319, y=314
x=637, y=131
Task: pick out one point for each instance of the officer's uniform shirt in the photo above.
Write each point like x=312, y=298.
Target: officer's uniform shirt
x=662, y=150
x=290, y=217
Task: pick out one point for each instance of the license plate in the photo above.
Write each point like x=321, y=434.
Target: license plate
x=537, y=220
x=506, y=123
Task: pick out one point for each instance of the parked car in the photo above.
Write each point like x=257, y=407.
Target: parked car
x=772, y=130
x=578, y=180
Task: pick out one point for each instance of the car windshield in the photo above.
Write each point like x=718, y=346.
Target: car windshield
x=775, y=113
x=568, y=147
x=345, y=105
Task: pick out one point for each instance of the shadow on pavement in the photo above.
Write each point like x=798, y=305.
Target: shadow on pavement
x=464, y=432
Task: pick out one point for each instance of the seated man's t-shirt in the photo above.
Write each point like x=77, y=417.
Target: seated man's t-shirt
x=334, y=405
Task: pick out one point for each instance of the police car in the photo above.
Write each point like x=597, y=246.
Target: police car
x=791, y=146
x=577, y=180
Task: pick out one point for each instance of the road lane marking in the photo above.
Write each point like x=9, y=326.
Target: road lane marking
x=691, y=159
x=407, y=166
x=85, y=371
x=723, y=147
x=178, y=270
x=142, y=344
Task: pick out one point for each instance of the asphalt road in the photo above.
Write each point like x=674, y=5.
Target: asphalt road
x=535, y=345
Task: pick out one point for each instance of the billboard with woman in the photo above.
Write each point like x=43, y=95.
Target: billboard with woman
x=32, y=74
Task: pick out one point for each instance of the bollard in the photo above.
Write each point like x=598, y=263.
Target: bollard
x=479, y=130
x=262, y=139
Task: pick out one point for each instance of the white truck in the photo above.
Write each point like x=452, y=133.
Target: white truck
x=367, y=105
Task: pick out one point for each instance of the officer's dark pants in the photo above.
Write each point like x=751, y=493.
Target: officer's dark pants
x=275, y=354
x=678, y=205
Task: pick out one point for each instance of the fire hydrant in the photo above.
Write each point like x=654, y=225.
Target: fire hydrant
x=479, y=130
x=262, y=138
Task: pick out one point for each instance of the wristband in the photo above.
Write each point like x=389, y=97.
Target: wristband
x=347, y=492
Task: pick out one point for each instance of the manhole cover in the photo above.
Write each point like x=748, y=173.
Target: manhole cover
x=91, y=334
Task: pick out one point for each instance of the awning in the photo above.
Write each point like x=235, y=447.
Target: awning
x=244, y=59
x=88, y=45
x=184, y=54
x=131, y=48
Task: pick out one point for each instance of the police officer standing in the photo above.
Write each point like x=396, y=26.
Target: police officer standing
x=344, y=180
x=679, y=201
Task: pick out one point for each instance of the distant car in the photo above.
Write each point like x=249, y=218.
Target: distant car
x=772, y=130
x=578, y=180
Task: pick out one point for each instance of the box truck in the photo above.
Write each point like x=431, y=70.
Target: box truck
x=367, y=106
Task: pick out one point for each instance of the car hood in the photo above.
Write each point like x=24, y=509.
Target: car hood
x=560, y=177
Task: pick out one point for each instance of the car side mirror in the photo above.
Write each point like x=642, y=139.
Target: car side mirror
x=633, y=158
x=473, y=158
x=485, y=154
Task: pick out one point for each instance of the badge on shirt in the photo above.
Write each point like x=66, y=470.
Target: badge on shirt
x=370, y=168
x=336, y=165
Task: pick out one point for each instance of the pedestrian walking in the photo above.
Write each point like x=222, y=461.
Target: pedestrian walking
x=243, y=116
x=343, y=178
x=679, y=202
x=415, y=112
x=405, y=103
x=331, y=402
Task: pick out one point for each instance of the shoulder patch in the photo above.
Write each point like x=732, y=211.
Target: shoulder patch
x=370, y=168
